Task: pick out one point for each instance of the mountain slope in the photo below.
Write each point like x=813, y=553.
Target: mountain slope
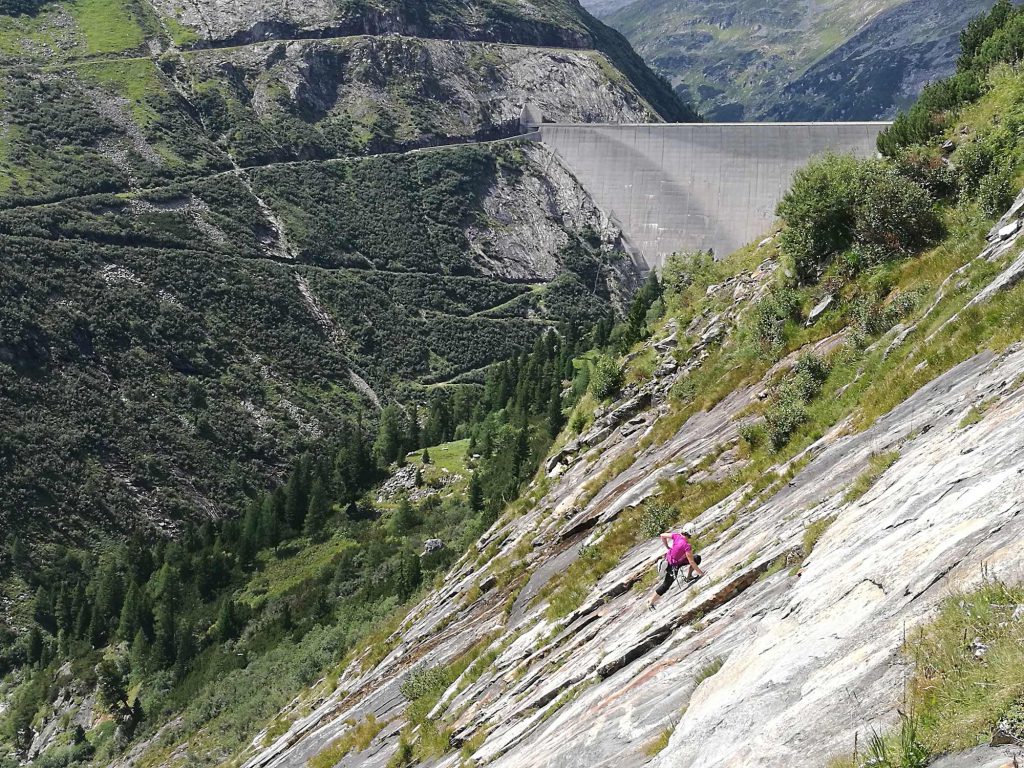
x=742, y=60
x=215, y=254
x=845, y=442
x=807, y=636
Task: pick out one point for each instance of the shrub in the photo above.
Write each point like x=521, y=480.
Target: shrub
x=894, y=214
x=785, y=413
x=425, y=681
x=606, y=378
x=838, y=203
x=810, y=374
x=752, y=434
x=770, y=316
x=996, y=192
x=819, y=214
x=928, y=168
x=655, y=518
x=973, y=161
x=682, y=270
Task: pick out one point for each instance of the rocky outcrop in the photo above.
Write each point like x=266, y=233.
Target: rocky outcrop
x=435, y=89
x=529, y=215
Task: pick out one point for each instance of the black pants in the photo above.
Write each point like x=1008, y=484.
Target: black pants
x=671, y=572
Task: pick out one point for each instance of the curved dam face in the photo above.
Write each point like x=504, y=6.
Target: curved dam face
x=683, y=187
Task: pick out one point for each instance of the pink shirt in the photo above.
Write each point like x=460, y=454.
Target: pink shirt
x=676, y=554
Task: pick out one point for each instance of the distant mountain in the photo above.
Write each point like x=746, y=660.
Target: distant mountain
x=755, y=60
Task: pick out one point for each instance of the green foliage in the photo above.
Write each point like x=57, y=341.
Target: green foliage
x=813, y=532
x=838, y=203
x=771, y=313
x=606, y=377
x=956, y=698
x=656, y=518
x=658, y=743
x=991, y=39
x=996, y=192
x=356, y=739
x=708, y=670
x=787, y=406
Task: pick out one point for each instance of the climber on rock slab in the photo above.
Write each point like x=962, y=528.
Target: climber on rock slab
x=679, y=553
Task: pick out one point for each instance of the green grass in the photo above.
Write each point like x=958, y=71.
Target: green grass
x=356, y=739
x=955, y=699
x=709, y=670
x=450, y=456
x=277, y=576
x=654, y=747
x=878, y=463
x=813, y=532
x=107, y=26
x=180, y=34
x=975, y=414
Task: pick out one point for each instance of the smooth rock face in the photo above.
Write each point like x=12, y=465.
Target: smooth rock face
x=809, y=646
x=530, y=217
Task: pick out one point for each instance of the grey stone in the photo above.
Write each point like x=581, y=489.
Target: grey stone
x=819, y=309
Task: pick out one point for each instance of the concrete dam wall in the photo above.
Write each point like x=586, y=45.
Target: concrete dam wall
x=676, y=187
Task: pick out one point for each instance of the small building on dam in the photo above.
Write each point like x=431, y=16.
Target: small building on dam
x=683, y=187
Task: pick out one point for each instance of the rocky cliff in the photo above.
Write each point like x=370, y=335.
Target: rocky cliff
x=819, y=564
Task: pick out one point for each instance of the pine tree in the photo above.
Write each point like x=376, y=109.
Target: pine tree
x=476, y=493
x=227, y=622
x=409, y=575
x=388, y=445
x=131, y=613
x=319, y=508
x=43, y=610
x=426, y=456
x=404, y=518
x=414, y=440
x=139, y=655
x=184, y=652
x=295, y=502
x=556, y=419
x=164, y=631
x=34, y=652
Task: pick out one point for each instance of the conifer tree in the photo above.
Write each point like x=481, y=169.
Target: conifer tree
x=130, y=620
x=139, y=655
x=34, y=651
x=476, y=494
x=319, y=508
x=164, y=631
x=227, y=621
x=388, y=445
x=295, y=502
x=556, y=419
